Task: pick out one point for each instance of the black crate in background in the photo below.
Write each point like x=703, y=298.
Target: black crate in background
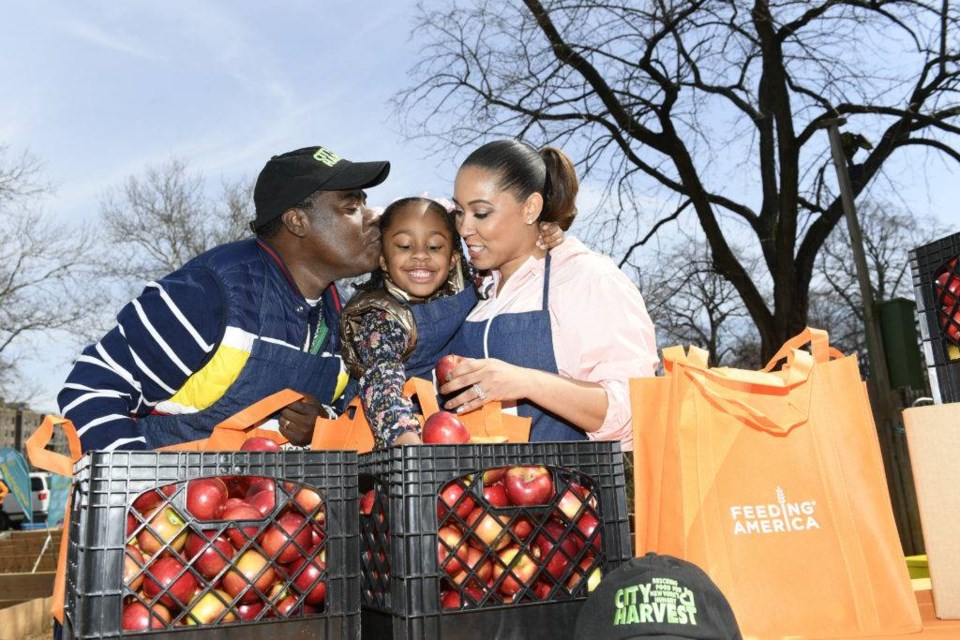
x=106, y=483
x=411, y=478
x=943, y=357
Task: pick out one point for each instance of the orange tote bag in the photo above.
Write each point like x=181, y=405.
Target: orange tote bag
x=773, y=483
x=352, y=431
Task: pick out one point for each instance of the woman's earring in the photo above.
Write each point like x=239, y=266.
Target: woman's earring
x=531, y=221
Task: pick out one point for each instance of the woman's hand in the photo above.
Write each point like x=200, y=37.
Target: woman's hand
x=481, y=381
x=551, y=236
x=298, y=420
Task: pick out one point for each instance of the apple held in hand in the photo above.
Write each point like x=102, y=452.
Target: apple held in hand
x=445, y=365
x=444, y=427
x=528, y=485
x=259, y=443
x=206, y=497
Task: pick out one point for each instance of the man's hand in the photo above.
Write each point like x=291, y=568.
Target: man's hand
x=298, y=420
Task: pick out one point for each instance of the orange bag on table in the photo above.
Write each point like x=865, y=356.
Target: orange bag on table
x=352, y=431
x=773, y=483
x=229, y=435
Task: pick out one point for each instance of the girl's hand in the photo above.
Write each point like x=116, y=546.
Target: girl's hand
x=551, y=236
x=481, y=381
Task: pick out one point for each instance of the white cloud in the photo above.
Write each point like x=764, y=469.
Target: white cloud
x=98, y=36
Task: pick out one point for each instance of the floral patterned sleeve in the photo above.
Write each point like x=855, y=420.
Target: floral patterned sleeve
x=378, y=346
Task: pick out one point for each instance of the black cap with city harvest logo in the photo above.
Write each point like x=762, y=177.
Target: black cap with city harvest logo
x=657, y=597
x=287, y=179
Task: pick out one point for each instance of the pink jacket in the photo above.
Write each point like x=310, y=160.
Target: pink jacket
x=601, y=330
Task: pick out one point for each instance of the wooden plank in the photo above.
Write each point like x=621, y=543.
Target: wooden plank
x=26, y=586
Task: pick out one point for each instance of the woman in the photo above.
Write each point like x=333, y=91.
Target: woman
x=559, y=333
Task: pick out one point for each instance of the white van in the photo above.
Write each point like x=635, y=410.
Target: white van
x=12, y=515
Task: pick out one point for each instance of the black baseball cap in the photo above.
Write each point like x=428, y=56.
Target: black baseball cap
x=657, y=597
x=290, y=177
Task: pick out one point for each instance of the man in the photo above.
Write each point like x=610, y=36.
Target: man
x=240, y=321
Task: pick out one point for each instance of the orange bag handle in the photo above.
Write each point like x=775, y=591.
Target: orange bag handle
x=62, y=465
x=819, y=341
x=230, y=434
x=51, y=461
x=344, y=432
x=728, y=387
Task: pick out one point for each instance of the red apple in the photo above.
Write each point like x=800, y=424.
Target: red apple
x=585, y=573
x=239, y=535
x=517, y=566
x=132, y=562
x=451, y=550
x=261, y=484
x=443, y=427
x=487, y=529
x=454, y=495
x=206, y=497
x=237, y=485
x=528, y=485
x=250, y=568
x=311, y=503
x=139, y=617
x=493, y=475
x=310, y=580
x=208, y=552
x=169, y=577
x=542, y=589
x=445, y=365
x=249, y=611
x=495, y=495
x=165, y=527
x=281, y=539
x=586, y=526
x=233, y=502
x=570, y=503
x=264, y=502
x=132, y=523
x=259, y=443
x=366, y=502
x=522, y=527
x=555, y=538
x=150, y=500
x=478, y=569
x=458, y=599
x=208, y=608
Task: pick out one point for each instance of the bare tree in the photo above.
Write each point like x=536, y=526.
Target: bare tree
x=42, y=269
x=690, y=303
x=715, y=105
x=888, y=234
x=157, y=222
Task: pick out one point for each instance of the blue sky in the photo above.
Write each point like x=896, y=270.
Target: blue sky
x=100, y=90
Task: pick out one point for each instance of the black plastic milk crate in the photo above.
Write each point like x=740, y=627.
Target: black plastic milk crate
x=105, y=485
x=940, y=349
x=403, y=580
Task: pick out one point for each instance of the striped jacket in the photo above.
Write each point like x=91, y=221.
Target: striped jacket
x=183, y=341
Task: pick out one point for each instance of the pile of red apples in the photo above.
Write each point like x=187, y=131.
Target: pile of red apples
x=241, y=548
x=512, y=535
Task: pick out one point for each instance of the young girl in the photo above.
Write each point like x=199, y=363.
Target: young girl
x=401, y=321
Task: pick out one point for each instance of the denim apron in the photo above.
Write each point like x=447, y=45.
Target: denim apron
x=437, y=324
x=270, y=367
x=526, y=340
